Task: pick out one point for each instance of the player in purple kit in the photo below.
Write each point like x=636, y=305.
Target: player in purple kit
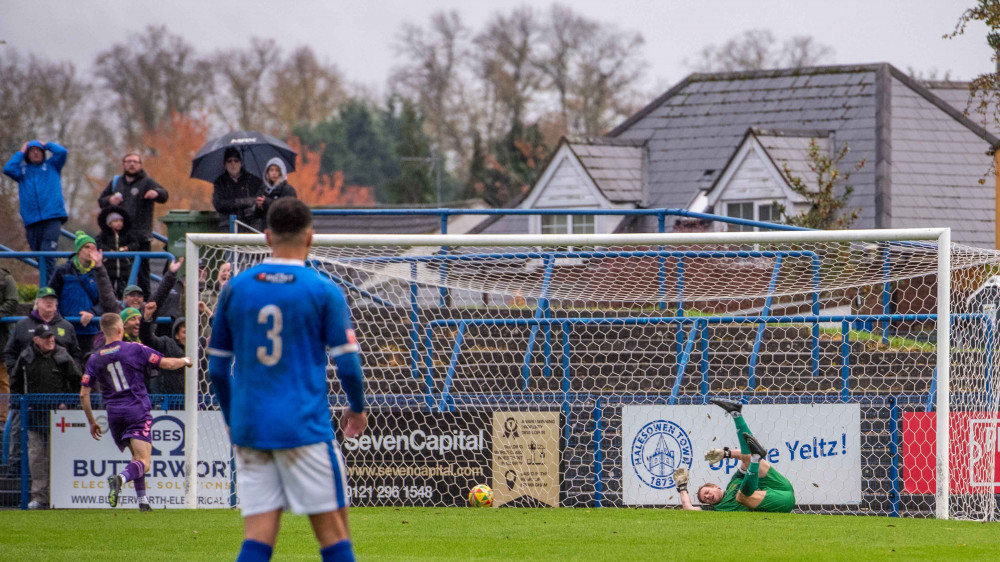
x=120, y=367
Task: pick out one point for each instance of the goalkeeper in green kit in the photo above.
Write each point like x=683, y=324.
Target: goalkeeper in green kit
x=756, y=486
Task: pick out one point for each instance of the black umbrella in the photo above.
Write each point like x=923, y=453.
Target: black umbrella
x=256, y=148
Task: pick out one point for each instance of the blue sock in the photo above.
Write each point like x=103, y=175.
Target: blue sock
x=338, y=552
x=254, y=551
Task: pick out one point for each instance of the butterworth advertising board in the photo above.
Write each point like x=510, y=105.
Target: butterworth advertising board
x=80, y=466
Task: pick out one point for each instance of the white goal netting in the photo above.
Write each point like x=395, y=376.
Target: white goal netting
x=576, y=371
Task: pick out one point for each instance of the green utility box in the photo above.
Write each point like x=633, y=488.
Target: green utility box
x=180, y=223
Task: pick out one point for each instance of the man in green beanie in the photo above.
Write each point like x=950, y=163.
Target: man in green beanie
x=131, y=318
x=75, y=283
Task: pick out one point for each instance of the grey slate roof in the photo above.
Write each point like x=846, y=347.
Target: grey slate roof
x=615, y=165
x=957, y=95
x=693, y=129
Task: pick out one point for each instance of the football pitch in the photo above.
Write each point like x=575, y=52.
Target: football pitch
x=498, y=534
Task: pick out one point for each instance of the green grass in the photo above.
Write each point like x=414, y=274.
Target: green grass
x=896, y=343
x=500, y=534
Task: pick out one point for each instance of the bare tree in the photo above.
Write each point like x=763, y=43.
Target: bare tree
x=243, y=76
x=609, y=68
x=305, y=91
x=432, y=75
x=562, y=40
x=150, y=75
x=758, y=49
x=504, y=53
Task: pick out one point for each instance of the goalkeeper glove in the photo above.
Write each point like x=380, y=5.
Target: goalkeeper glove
x=681, y=477
x=716, y=455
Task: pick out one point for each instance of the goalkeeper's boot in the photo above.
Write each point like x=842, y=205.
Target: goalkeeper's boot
x=144, y=505
x=755, y=447
x=115, y=483
x=731, y=406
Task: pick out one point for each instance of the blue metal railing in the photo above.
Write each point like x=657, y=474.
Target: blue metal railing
x=43, y=273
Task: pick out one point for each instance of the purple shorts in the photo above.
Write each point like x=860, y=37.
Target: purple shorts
x=124, y=428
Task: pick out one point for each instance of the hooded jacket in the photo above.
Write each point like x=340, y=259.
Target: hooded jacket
x=272, y=192
x=24, y=331
x=39, y=186
x=134, y=201
x=236, y=197
x=77, y=292
x=110, y=241
x=169, y=382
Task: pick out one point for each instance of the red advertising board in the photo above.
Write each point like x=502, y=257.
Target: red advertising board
x=975, y=462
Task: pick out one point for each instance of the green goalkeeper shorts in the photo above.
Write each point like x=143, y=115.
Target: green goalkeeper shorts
x=780, y=496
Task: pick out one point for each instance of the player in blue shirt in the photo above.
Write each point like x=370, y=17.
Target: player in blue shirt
x=281, y=321
x=121, y=367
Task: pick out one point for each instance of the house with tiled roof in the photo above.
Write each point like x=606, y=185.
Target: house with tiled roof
x=722, y=142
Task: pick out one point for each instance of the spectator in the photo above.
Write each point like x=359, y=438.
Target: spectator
x=76, y=284
x=136, y=193
x=168, y=382
x=116, y=236
x=133, y=297
x=131, y=318
x=45, y=313
x=276, y=186
x=39, y=189
x=235, y=191
x=43, y=368
x=8, y=307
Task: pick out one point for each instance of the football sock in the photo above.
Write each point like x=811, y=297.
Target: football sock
x=338, y=552
x=254, y=551
x=140, y=487
x=134, y=470
x=749, y=485
x=741, y=428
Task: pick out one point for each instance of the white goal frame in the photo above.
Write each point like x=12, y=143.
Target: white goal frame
x=942, y=236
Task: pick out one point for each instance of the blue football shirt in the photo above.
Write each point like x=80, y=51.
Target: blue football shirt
x=276, y=320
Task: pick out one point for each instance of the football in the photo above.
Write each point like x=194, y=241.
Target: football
x=481, y=495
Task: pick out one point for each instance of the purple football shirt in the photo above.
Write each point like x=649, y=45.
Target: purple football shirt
x=121, y=369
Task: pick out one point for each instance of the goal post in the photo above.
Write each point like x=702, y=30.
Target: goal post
x=591, y=338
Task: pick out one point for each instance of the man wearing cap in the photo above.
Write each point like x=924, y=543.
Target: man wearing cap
x=235, y=191
x=39, y=190
x=136, y=193
x=45, y=312
x=76, y=284
x=44, y=367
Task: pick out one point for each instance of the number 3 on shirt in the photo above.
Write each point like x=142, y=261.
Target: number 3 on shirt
x=270, y=314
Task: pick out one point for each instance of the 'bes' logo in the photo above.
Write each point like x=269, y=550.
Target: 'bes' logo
x=168, y=436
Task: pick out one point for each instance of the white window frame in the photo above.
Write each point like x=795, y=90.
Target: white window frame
x=757, y=204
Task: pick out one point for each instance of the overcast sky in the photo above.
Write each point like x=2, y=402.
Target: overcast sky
x=358, y=35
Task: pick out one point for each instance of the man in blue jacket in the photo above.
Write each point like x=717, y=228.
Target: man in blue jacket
x=39, y=188
x=75, y=283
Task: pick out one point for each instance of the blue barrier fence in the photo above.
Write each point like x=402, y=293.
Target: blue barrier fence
x=35, y=259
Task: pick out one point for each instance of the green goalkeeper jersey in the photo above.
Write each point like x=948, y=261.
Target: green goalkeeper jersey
x=780, y=496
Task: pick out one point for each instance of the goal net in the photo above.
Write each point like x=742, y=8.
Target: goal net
x=577, y=370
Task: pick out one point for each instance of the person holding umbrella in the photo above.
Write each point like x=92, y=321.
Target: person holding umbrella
x=235, y=191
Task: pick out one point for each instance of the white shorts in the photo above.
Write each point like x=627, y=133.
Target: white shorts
x=309, y=479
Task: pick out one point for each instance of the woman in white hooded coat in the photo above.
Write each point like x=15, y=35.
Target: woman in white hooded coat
x=275, y=187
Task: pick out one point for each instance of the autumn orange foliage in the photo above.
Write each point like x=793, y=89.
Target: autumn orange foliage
x=170, y=149
x=317, y=189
